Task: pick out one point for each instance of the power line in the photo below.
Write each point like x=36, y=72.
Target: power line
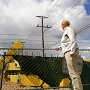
x=65, y=13
x=34, y=19
x=82, y=29
x=52, y=7
x=26, y=39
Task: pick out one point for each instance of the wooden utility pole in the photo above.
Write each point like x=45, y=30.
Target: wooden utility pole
x=42, y=17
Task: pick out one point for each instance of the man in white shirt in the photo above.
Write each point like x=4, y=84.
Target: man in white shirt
x=71, y=53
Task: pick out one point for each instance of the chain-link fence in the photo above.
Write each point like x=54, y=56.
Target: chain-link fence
x=28, y=69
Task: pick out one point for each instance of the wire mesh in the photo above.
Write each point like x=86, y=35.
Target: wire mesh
x=27, y=69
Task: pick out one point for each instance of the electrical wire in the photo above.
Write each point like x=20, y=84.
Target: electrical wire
x=82, y=29
x=28, y=36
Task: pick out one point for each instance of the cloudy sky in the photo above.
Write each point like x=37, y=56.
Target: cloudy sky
x=18, y=21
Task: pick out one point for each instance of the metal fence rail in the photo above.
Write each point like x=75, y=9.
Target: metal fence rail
x=25, y=68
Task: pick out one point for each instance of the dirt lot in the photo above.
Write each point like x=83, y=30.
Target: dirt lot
x=15, y=86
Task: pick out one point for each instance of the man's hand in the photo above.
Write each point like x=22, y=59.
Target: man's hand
x=56, y=49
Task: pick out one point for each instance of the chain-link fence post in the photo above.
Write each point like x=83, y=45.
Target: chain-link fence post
x=1, y=77
x=0, y=80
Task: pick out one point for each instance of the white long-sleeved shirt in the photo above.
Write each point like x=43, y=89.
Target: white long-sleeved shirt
x=68, y=41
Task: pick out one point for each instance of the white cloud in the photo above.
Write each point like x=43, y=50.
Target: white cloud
x=19, y=17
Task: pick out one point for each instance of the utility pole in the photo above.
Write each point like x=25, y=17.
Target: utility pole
x=42, y=17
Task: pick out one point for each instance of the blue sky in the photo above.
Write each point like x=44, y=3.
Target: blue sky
x=87, y=7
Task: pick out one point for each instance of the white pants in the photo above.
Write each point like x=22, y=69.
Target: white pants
x=73, y=69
